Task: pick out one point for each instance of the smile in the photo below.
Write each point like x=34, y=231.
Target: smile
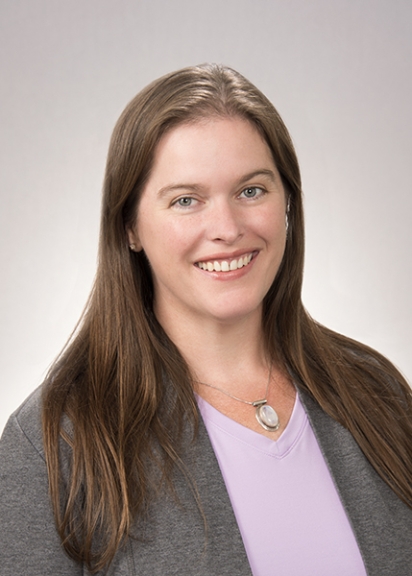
x=226, y=265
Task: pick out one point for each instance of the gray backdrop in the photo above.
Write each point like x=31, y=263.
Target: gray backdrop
x=339, y=72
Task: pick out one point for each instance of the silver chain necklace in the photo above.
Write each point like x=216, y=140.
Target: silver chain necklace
x=265, y=414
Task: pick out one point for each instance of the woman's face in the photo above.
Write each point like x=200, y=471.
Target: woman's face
x=211, y=220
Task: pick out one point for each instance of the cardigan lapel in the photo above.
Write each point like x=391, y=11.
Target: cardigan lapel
x=381, y=522
x=178, y=540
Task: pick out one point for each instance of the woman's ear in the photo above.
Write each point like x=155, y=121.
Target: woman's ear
x=134, y=242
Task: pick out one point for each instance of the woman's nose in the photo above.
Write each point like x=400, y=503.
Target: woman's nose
x=225, y=223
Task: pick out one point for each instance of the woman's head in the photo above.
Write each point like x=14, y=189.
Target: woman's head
x=182, y=97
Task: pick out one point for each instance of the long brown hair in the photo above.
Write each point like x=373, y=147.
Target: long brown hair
x=118, y=396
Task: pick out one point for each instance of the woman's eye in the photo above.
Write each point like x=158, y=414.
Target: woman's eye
x=252, y=192
x=184, y=202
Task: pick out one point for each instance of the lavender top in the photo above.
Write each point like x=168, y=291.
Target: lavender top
x=285, y=502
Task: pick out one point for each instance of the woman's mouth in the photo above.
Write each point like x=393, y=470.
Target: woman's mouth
x=228, y=265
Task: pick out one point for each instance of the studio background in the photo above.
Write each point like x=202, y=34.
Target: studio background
x=338, y=71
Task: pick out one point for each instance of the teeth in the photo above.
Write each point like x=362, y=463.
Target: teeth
x=225, y=265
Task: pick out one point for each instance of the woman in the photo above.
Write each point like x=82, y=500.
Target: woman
x=301, y=459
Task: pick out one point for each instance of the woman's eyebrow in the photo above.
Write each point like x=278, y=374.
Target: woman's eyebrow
x=179, y=186
x=260, y=172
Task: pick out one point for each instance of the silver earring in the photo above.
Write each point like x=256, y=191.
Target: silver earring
x=132, y=247
x=287, y=215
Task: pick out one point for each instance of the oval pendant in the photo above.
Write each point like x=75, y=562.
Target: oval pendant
x=267, y=417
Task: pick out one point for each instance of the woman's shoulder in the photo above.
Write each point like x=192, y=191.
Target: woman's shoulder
x=26, y=423
x=29, y=543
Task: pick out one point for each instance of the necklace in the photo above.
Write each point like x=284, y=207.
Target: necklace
x=265, y=414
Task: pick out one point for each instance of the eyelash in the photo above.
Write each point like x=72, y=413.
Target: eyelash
x=258, y=188
x=179, y=200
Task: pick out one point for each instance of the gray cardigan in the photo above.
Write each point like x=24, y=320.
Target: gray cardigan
x=174, y=540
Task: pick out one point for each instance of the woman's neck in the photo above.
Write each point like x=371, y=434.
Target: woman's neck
x=220, y=352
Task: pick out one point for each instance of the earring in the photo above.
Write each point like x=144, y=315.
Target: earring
x=287, y=215
x=132, y=247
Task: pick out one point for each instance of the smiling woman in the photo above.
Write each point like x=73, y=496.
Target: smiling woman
x=223, y=221
x=199, y=421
